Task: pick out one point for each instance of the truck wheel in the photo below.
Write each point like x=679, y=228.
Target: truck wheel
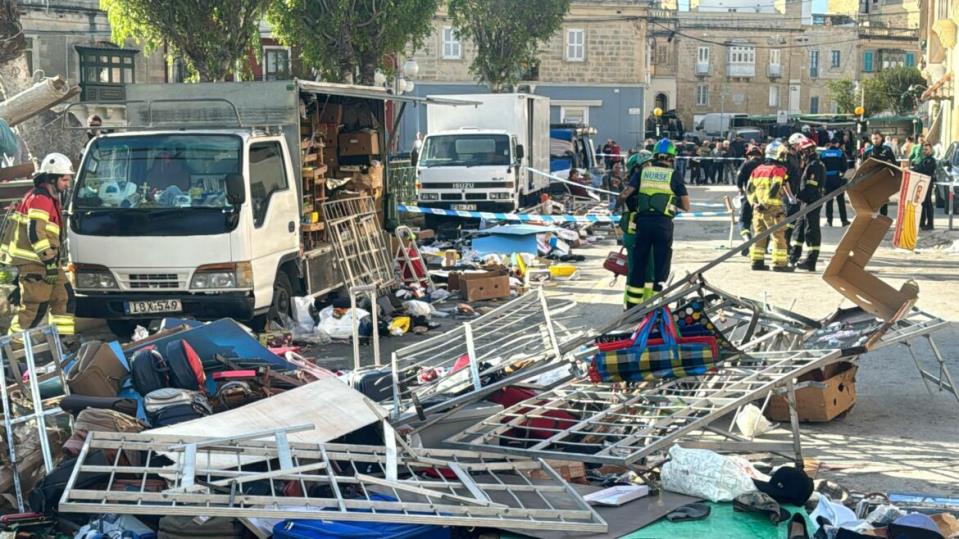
x=124, y=328
x=282, y=303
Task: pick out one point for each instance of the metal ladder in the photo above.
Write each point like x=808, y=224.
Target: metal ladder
x=26, y=346
x=406, y=263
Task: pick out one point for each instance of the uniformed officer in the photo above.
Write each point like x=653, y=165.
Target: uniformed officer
x=754, y=158
x=32, y=242
x=766, y=190
x=834, y=159
x=660, y=194
x=808, y=231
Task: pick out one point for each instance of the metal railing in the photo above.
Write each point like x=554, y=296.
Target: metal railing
x=402, y=175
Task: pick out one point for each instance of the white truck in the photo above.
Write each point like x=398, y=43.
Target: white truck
x=197, y=206
x=476, y=157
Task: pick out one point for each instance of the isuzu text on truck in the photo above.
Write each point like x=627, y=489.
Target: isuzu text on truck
x=476, y=157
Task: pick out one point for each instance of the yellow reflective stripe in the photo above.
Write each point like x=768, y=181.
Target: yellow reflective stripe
x=53, y=228
x=17, y=252
x=34, y=213
x=41, y=245
x=635, y=289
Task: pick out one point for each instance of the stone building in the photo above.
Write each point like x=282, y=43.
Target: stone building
x=594, y=69
x=938, y=25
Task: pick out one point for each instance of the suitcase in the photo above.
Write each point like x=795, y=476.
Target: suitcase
x=376, y=384
x=178, y=413
x=74, y=404
x=175, y=527
x=98, y=372
x=325, y=529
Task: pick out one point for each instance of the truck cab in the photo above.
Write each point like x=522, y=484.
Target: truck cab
x=471, y=169
x=173, y=221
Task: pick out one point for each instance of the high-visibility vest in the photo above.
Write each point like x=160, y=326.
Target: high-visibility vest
x=655, y=195
x=32, y=232
x=765, y=185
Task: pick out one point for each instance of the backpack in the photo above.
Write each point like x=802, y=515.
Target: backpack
x=150, y=371
x=186, y=370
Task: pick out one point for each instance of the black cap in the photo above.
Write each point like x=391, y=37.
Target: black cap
x=787, y=485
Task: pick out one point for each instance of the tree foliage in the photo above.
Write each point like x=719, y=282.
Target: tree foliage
x=211, y=35
x=12, y=40
x=347, y=40
x=899, y=87
x=843, y=92
x=506, y=33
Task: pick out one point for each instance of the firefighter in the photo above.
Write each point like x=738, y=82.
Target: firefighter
x=808, y=231
x=634, y=164
x=793, y=165
x=754, y=158
x=834, y=159
x=32, y=241
x=660, y=193
x=767, y=188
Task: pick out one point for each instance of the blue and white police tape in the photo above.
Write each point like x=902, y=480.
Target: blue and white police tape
x=524, y=217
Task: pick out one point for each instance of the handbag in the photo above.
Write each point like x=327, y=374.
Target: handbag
x=691, y=319
x=98, y=372
x=668, y=357
x=616, y=262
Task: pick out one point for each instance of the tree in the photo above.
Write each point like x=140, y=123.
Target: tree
x=12, y=40
x=211, y=35
x=843, y=92
x=899, y=86
x=507, y=35
x=348, y=40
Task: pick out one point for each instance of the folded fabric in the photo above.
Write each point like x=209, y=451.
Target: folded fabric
x=760, y=502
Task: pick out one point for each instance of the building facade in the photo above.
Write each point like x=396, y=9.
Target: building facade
x=594, y=69
x=938, y=27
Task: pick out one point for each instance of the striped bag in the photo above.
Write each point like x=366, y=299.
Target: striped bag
x=645, y=359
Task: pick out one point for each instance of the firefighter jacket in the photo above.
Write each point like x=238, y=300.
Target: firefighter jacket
x=765, y=186
x=32, y=234
x=813, y=178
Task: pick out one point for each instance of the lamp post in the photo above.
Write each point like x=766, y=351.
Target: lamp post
x=658, y=113
x=860, y=127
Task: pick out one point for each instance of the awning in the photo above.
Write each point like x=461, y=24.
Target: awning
x=934, y=91
x=373, y=92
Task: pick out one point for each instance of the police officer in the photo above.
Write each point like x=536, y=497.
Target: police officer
x=32, y=242
x=808, y=231
x=880, y=151
x=766, y=190
x=660, y=193
x=754, y=158
x=834, y=159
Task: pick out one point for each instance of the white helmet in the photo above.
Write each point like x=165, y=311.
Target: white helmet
x=56, y=164
x=797, y=138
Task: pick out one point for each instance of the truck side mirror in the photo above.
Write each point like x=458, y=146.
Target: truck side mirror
x=520, y=152
x=235, y=189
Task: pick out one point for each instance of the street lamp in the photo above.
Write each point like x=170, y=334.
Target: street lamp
x=411, y=69
x=658, y=113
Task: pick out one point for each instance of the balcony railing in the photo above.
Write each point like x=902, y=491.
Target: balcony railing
x=702, y=68
x=774, y=70
x=741, y=70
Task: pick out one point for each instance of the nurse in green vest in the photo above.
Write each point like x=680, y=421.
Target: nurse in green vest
x=660, y=194
x=635, y=163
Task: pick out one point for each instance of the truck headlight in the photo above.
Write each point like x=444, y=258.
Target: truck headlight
x=217, y=276
x=94, y=277
x=429, y=196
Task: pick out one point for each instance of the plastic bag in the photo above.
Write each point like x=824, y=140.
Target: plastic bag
x=707, y=474
x=751, y=422
x=339, y=328
x=416, y=307
x=140, y=333
x=301, y=312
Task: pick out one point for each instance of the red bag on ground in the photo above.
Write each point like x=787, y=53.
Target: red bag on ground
x=540, y=427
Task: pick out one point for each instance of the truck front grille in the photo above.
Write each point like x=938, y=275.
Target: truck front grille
x=153, y=281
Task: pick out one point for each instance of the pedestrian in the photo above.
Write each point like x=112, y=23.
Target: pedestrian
x=682, y=161
x=893, y=143
x=881, y=152
x=754, y=158
x=766, y=189
x=608, y=153
x=660, y=193
x=915, y=153
x=810, y=191
x=32, y=240
x=617, y=153
x=94, y=123
x=708, y=163
x=417, y=148
x=695, y=164
x=927, y=166
x=906, y=149
x=834, y=159
x=614, y=180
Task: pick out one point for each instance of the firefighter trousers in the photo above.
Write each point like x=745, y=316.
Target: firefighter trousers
x=653, y=245
x=791, y=209
x=39, y=299
x=745, y=217
x=763, y=220
x=807, y=232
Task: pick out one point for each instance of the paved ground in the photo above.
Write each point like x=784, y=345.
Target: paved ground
x=898, y=437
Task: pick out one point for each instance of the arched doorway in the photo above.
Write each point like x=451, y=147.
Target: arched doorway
x=662, y=101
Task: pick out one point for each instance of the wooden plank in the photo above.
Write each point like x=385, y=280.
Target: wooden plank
x=313, y=227
x=309, y=158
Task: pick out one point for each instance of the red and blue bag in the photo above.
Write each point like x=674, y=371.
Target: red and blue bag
x=644, y=358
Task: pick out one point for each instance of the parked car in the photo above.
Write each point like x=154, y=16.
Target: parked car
x=947, y=170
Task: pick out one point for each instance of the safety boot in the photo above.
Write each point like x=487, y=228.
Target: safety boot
x=760, y=266
x=809, y=264
x=784, y=269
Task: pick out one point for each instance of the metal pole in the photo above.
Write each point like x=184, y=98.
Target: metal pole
x=794, y=421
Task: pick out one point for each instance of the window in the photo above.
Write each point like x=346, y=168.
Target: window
x=702, y=95
x=814, y=105
x=814, y=63
x=452, y=48
x=465, y=150
x=661, y=54
x=574, y=114
x=267, y=176
x=774, y=57
x=774, y=97
x=742, y=55
x=276, y=63
x=703, y=56
x=575, y=45
x=835, y=59
x=910, y=59
x=104, y=71
x=28, y=52
x=867, y=61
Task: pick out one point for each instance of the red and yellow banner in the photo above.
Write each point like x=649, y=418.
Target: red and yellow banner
x=912, y=191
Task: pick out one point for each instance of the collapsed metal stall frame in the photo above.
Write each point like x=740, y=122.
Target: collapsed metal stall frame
x=515, y=341
x=360, y=242
x=617, y=424
x=334, y=482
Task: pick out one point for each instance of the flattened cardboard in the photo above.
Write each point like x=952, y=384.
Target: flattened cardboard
x=875, y=181
x=480, y=286
x=833, y=392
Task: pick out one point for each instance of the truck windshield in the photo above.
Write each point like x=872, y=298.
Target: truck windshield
x=465, y=150
x=158, y=171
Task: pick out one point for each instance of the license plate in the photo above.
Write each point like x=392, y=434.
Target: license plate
x=464, y=207
x=153, y=306
x=462, y=186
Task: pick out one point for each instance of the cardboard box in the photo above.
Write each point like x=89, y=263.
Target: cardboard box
x=874, y=182
x=571, y=471
x=332, y=113
x=359, y=143
x=480, y=286
x=832, y=391
x=372, y=181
